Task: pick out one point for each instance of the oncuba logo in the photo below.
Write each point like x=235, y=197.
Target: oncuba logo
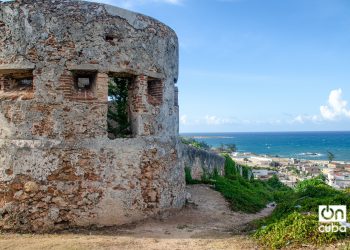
x=329, y=216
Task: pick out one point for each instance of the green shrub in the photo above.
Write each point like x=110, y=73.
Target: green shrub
x=195, y=143
x=246, y=171
x=274, y=182
x=301, y=186
x=295, y=229
x=226, y=148
x=243, y=195
x=215, y=173
x=292, y=206
x=230, y=166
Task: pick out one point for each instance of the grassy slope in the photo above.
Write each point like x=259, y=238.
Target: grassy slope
x=243, y=194
x=295, y=219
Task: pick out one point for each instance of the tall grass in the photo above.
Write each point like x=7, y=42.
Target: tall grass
x=240, y=190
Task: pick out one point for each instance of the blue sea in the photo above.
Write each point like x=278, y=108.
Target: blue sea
x=300, y=145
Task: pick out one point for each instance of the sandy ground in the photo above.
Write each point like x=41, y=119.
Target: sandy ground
x=206, y=223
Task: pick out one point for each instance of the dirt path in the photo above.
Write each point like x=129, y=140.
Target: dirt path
x=207, y=223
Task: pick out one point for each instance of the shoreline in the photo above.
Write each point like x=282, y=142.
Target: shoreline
x=290, y=171
x=243, y=155
x=240, y=156
x=304, y=146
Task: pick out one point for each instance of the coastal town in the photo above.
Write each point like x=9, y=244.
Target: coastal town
x=291, y=170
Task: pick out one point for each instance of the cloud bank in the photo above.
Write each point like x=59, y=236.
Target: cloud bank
x=214, y=120
x=336, y=107
x=207, y=120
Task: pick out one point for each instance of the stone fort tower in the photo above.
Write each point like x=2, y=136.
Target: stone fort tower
x=59, y=166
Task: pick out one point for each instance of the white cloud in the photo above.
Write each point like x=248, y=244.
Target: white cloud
x=334, y=109
x=299, y=119
x=214, y=120
x=184, y=119
x=306, y=118
x=336, y=106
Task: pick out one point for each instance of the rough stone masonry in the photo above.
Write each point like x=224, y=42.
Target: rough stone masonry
x=58, y=168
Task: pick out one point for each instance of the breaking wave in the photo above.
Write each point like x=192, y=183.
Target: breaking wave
x=311, y=154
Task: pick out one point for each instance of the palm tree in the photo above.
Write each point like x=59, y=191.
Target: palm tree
x=330, y=156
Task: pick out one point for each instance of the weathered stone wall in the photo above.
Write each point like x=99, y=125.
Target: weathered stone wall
x=57, y=166
x=202, y=162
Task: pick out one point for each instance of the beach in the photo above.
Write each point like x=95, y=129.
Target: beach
x=291, y=171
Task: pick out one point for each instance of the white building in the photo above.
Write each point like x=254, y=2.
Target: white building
x=338, y=179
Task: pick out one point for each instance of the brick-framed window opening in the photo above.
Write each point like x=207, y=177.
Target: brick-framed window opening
x=84, y=84
x=155, y=91
x=118, y=116
x=84, y=81
x=21, y=81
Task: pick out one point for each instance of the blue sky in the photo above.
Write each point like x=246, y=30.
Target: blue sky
x=259, y=65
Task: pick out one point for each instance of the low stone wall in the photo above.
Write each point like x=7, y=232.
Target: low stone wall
x=202, y=161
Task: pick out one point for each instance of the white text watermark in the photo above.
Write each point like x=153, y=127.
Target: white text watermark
x=332, y=218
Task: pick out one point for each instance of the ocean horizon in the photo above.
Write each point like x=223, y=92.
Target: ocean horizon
x=309, y=145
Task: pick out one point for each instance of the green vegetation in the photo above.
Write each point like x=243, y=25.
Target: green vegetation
x=243, y=195
x=294, y=228
x=227, y=148
x=243, y=192
x=222, y=149
x=194, y=143
x=118, y=117
x=295, y=219
x=239, y=188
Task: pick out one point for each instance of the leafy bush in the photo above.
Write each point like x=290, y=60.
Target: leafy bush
x=227, y=148
x=274, y=182
x=301, y=186
x=194, y=143
x=295, y=229
x=289, y=224
x=230, y=166
x=242, y=193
